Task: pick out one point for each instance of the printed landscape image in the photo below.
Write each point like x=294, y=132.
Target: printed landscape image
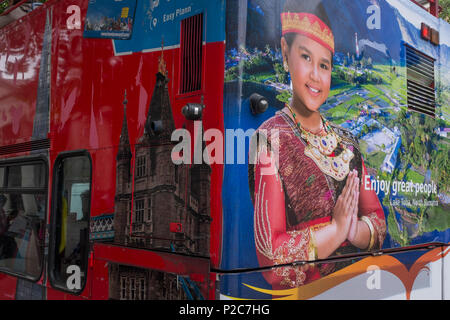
x=368, y=97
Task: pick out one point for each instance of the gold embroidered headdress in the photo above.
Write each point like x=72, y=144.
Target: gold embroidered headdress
x=309, y=25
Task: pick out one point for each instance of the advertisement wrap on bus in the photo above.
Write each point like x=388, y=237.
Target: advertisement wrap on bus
x=224, y=150
x=378, y=50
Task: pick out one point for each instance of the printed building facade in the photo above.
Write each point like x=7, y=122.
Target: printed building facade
x=169, y=203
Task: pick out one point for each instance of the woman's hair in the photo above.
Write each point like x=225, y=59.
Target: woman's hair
x=307, y=6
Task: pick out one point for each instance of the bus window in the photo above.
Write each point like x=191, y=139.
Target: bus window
x=23, y=200
x=2, y=176
x=70, y=218
x=26, y=176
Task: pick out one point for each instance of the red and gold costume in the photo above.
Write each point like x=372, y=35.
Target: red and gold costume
x=293, y=198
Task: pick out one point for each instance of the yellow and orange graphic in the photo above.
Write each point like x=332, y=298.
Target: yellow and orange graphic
x=125, y=12
x=385, y=262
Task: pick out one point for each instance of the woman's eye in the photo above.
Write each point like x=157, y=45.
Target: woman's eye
x=306, y=57
x=324, y=66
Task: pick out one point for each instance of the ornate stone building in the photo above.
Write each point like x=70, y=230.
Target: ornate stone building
x=170, y=204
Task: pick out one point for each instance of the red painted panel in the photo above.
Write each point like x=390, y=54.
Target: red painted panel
x=7, y=287
x=87, y=89
x=100, y=284
x=160, y=261
x=20, y=52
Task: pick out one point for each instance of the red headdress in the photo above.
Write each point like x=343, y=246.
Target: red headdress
x=309, y=25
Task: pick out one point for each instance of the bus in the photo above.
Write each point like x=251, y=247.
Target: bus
x=127, y=168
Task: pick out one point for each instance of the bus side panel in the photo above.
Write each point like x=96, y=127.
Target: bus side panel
x=21, y=46
x=100, y=280
x=7, y=287
x=377, y=47
x=415, y=275
x=90, y=79
x=446, y=274
x=93, y=82
x=89, y=89
x=20, y=57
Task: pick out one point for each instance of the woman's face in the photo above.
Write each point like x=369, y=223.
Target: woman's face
x=310, y=68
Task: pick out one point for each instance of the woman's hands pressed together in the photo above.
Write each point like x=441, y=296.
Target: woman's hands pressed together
x=345, y=213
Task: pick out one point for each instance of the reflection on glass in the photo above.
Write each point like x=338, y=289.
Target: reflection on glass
x=76, y=200
x=22, y=225
x=14, y=177
x=26, y=176
x=72, y=222
x=2, y=176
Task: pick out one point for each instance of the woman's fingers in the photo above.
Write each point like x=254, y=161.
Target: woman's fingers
x=353, y=198
x=356, y=186
x=353, y=228
x=344, y=200
x=348, y=205
x=353, y=185
x=356, y=181
x=355, y=202
x=348, y=186
x=346, y=210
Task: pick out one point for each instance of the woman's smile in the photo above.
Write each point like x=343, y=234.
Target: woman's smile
x=314, y=91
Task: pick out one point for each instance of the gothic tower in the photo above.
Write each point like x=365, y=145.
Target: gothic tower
x=163, y=195
x=154, y=188
x=41, y=124
x=123, y=181
x=166, y=194
x=200, y=174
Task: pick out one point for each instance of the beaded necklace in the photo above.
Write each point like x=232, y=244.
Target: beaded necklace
x=321, y=148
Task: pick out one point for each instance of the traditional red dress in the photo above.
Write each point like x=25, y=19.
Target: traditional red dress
x=292, y=198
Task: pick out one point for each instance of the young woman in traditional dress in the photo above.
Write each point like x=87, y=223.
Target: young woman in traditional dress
x=306, y=179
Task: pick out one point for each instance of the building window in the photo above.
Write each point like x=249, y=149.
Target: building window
x=191, y=53
x=141, y=169
x=140, y=207
x=123, y=288
x=132, y=289
x=23, y=207
x=142, y=295
x=70, y=221
x=176, y=176
x=149, y=210
x=420, y=82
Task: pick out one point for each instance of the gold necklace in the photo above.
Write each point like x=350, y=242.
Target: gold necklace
x=320, y=148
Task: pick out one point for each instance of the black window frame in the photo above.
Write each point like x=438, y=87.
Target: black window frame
x=420, y=98
x=139, y=212
x=191, y=53
x=141, y=166
x=29, y=190
x=53, y=211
